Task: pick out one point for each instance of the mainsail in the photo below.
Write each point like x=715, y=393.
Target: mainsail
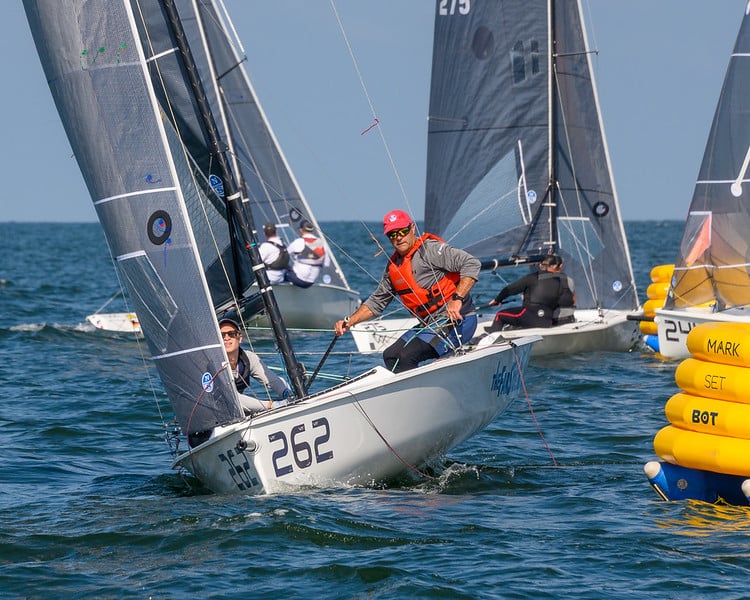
x=143, y=168
x=713, y=266
x=517, y=165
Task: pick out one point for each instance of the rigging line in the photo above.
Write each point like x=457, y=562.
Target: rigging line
x=387, y=445
x=343, y=252
x=376, y=120
x=228, y=142
x=272, y=193
x=202, y=193
x=528, y=402
x=117, y=294
x=236, y=38
x=588, y=265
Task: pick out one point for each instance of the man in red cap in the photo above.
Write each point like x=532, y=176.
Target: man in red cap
x=433, y=280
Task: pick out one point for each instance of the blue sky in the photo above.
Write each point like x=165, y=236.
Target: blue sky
x=659, y=72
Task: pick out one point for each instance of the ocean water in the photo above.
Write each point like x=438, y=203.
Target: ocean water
x=550, y=501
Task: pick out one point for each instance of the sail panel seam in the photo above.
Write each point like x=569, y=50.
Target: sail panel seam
x=187, y=351
x=133, y=194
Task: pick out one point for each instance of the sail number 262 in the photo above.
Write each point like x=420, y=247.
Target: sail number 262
x=296, y=450
x=451, y=7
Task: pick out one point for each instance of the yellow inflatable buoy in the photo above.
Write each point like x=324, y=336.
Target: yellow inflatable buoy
x=650, y=306
x=662, y=273
x=725, y=343
x=706, y=415
x=703, y=451
x=657, y=290
x=713, y=380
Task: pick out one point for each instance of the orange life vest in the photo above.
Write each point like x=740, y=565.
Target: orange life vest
x=419, y=301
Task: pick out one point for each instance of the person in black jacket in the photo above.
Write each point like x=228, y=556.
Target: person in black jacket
x=548, y=298
x=566, y=303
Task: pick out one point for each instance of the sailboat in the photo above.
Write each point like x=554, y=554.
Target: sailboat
x=141, y=115
x=120, y=322
x=518, y=167
x=275, y=197
x=711, y=280
x=706, y=319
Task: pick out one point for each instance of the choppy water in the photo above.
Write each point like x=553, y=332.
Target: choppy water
x=90, y=507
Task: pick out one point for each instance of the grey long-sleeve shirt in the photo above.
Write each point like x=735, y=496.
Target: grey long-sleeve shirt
x=430, y=263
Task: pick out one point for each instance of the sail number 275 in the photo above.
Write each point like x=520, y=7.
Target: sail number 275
x=296, y=450
x=450, y=7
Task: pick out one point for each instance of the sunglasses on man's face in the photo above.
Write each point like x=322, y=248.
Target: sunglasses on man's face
x=231, y=334
x=403, y=232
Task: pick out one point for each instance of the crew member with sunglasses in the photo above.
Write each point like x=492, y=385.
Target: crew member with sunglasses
x=246, y=366
x=432, y=280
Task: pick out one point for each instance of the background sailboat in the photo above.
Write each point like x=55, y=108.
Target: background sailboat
x=140, y=143
x=517, y=164
x=272, y=191
x=122, y=322
x=711, y=280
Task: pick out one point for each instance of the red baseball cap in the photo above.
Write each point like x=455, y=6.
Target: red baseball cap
x=396, y=219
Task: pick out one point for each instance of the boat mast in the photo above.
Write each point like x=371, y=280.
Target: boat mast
x=552, y=97
x=234, y=201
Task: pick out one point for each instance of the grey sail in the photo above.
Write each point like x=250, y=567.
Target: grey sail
x=273, y=193
x=228, y=270
x=713, y=265
x=517, y=165
x=265, y=176
x=141, y=182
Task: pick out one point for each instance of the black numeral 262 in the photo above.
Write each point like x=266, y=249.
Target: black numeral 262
x=301, y=451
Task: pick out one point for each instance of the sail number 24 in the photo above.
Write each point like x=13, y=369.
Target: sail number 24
x=295, y=450
x=451, y=7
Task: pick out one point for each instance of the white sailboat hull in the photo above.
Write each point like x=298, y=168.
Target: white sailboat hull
x=370, y=430
x=119, y=322
x=673, y=326
x=591, y=332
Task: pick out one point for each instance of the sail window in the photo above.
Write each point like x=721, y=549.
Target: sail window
x=491, y=207
x=483, y=43
x=520, y=58
x=579, y=239
x=534, y=57
x=697, y=236
x=144, y=282
x=517, y=63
